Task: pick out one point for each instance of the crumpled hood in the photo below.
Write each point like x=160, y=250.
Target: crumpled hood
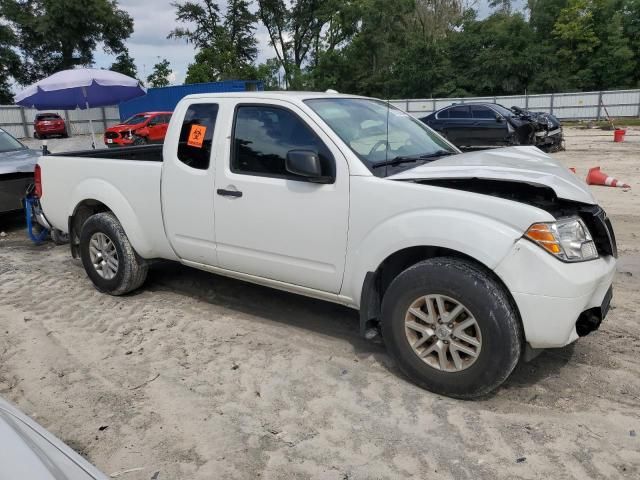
x=18, y=161
x=517, y=164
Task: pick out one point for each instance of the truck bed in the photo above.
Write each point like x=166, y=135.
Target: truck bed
x=127, y=180
x=144, y=153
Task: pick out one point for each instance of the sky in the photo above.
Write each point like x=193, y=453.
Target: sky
x=154, y=19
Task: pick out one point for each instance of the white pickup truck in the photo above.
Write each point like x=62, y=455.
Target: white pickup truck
x=465, y=262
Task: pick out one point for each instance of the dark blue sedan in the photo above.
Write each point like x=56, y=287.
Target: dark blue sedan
x=476, y=125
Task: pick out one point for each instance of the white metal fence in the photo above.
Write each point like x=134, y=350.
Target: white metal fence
x=18, y=121
x=565, y=106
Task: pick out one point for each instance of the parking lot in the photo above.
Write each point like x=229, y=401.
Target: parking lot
x=199, y=376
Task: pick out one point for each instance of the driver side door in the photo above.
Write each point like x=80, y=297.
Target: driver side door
x=269, y=222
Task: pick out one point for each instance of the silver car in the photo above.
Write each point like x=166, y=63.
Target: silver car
x=28, y=451
x=17, y=163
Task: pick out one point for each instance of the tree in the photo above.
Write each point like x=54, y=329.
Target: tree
x=269, y=73
x=494, y=56
x=55, y=35
x=502, y=6
x=366, y=63
x=125, y=64
x=239, y=25
x=294, y=30
x=226, y=47
x=160, y=75
x=9, y=63
x=205, y=18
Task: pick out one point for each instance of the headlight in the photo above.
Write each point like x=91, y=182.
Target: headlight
x=567, y=239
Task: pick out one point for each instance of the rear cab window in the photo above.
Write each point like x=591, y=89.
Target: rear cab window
x=196, y=135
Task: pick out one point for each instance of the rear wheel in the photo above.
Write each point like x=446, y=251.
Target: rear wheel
x=108, y=257
x=451, y=327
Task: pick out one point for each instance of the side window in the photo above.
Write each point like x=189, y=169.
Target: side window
x=478, y=111
x=196, y=135
x=459, y=112
x=444, y=113
x=263, y=135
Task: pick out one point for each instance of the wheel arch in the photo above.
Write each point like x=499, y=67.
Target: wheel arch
x=82, y=211
x=377, y=282
x=95, y=196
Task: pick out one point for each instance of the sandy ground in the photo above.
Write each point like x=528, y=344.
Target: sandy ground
x=199, y=377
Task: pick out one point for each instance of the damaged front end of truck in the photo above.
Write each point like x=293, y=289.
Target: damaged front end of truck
x=542, y=130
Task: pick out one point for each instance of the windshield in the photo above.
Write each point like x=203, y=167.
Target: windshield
x=135, y=120
x=362, y=125
x=8, y=143
x=502, y=110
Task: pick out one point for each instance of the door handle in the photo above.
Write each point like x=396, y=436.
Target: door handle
x=229, y=193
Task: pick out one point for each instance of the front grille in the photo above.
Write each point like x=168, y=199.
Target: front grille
x=602, y=231
x=111, y=135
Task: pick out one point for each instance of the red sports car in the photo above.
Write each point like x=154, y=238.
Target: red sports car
x=47, y=124
x=141, y=129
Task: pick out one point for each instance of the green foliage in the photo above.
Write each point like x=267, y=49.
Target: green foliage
x=425, y=48
x=160, y=75
x=9, y=63
x=125, y=64
x=269, y=74
x=226, y=46
x=54, y=35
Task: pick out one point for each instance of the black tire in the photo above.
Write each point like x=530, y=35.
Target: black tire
x=35, y=135
x=58, y=237
x=65, y=134
x=488, y=302
x=132, y=269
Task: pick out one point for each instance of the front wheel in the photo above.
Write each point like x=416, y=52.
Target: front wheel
x=451, y=327
x=108, y=257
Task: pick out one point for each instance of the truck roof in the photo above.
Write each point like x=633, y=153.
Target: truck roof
x=274, y=95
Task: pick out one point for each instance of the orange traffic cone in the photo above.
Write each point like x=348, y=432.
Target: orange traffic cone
x=596, y=177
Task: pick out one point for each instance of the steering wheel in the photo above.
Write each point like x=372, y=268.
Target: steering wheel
x=377, y=145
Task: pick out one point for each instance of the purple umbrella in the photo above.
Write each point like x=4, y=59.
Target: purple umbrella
x=80, y=88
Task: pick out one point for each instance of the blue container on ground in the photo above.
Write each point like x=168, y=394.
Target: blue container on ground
x=165, y=99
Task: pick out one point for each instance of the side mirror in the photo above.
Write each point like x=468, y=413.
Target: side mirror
x=305, y=163
x=499, y=118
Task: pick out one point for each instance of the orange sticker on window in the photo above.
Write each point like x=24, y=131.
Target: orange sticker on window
x=196, y=136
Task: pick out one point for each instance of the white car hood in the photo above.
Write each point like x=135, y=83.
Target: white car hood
x=29, y=452
x=516, y=164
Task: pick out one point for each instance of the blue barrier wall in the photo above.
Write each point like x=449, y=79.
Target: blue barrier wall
x=165, y=99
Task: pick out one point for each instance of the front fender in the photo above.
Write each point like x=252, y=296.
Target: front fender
x=107, y=194
x=485, y=239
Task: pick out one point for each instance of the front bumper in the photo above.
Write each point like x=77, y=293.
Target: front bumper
x=122, y=140
x=551, y=295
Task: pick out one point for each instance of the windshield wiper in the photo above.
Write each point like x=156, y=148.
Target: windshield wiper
x=413, y=158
